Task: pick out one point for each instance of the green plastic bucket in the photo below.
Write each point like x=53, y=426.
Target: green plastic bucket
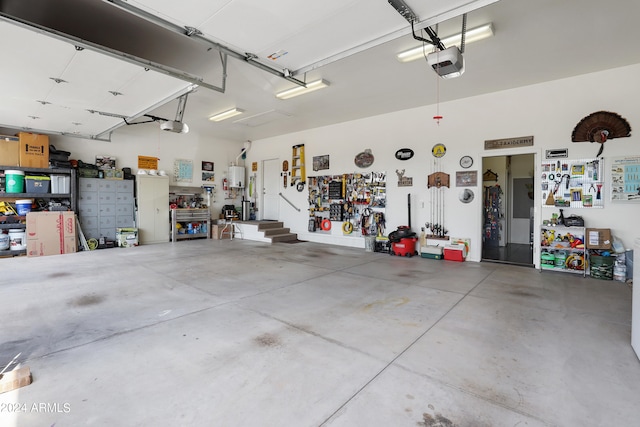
x=561, y=257
x=547, y=260
x=14, y=181
x=601, y=267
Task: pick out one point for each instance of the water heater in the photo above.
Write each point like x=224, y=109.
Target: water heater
x=235, y=174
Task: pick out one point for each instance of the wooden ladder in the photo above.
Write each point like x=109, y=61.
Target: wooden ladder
x=298, y=171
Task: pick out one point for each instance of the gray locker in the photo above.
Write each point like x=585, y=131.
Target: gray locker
x=104, y=205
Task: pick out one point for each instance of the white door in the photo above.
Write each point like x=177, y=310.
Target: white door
x=270, y=189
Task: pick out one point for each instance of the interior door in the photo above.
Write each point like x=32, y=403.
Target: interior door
x=270, y=189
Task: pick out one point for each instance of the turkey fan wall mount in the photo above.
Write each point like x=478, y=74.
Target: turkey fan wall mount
x=599, y=127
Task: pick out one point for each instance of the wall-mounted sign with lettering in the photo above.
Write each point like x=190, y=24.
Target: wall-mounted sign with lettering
x=404, y=154
x=523, y=141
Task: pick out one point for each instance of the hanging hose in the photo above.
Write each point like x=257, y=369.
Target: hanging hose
x=347, y=227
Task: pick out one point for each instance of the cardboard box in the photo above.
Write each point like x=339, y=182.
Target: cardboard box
x=51, y=233
x=126, y=237
x=9, y=150
x=34, y=150
x=598, y=238
x=17, y=378
x=216, y=232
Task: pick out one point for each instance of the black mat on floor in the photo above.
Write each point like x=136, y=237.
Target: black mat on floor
x=293, y=241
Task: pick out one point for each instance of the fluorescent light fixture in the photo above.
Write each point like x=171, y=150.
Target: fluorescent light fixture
x=301, y=90
x=472, y=35
x=226, y=114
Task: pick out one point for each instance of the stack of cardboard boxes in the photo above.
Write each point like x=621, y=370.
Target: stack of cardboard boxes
x=27, y=150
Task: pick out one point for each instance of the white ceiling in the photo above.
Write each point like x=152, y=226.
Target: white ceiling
x=533, y=42
x=78, y=90
x=301, y=36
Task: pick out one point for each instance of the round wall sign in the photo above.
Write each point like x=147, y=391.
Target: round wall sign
x=438, y=150
x=364, y=159
x=466, y=195
x=466, y=161
x=404, y=154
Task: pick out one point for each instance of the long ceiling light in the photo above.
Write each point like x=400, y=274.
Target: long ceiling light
x=472, y=35
x=301, y=90
x=226, y=114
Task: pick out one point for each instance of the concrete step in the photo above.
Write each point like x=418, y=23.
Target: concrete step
x=270, y=224
x=274, y=231
x=283, y=237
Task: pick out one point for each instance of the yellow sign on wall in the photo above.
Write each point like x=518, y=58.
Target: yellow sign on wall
x=438, y=150
x=254, y=167
x=146, y=162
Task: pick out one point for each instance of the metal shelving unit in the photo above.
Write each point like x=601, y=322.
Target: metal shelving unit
x=190, y=216
x=573, y=257
x=18, y=222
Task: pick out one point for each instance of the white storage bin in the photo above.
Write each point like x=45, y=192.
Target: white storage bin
x=60, y=184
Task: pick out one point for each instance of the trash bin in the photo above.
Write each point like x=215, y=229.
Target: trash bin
x=369, y=243
x=246, y=210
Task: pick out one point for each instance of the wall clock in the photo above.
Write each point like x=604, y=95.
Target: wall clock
x=466, y=161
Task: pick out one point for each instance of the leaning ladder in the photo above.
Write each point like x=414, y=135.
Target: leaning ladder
x=298, y=172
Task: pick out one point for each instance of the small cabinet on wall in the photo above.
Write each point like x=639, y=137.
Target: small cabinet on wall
x=153, y=209
x=105, y=205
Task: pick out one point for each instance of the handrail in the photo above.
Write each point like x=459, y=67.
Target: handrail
x=288, y=201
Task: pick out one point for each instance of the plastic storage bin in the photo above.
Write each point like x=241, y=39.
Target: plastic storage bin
x=60, y=184
x=37, y=184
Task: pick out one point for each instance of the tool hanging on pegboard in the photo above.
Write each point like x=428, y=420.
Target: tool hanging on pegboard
x=437, y=182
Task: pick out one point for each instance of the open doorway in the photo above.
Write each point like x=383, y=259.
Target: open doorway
x=508, y=209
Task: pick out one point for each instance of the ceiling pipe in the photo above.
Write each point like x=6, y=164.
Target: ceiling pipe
x=193, y=33
x=247, y=145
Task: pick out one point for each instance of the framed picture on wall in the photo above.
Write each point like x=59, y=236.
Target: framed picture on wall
x=207, y=166
x=321, y=162
x=466, y=178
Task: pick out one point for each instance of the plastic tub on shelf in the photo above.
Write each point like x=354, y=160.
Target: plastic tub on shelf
x=17, y=239
x=23, y=207
x=60, y=184
x=14, y=181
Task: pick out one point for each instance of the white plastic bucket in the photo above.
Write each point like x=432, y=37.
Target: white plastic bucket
x=5, y=242
x=17, y=239
x=23, y=207
x=14, y=181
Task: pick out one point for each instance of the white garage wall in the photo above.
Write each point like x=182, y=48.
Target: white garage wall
x=129, y=142
x=547, y=111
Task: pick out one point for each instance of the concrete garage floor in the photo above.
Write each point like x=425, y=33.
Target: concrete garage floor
x=242, y=333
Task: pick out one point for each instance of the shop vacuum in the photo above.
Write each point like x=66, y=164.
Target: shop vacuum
x=403, y=240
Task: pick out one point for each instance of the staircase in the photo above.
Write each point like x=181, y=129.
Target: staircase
x=276, y=231
x=265, y=231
